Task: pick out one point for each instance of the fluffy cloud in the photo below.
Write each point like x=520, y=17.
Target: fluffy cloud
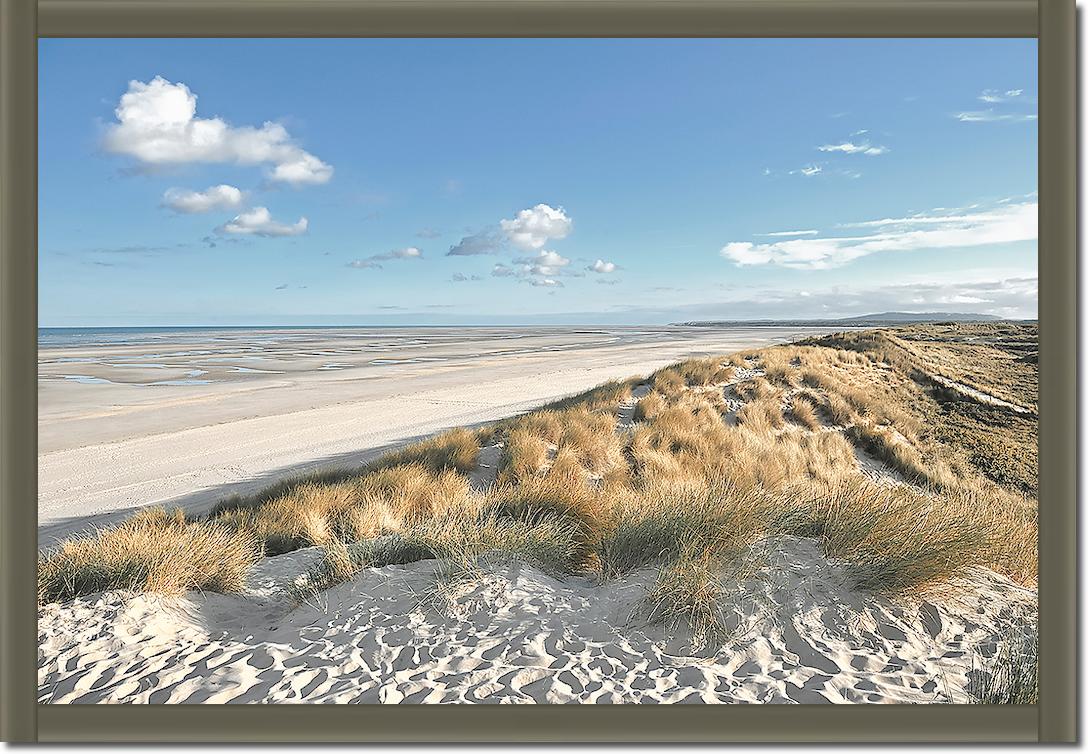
x=849, y=147
x=529, y=230
x=1005, y=224
x=157, y=124
x=808, y=171
x=602, y=267
x=258, y=222
x=546, y=283
x=374, y=261
x=546, y=264
x=216, y=197
x=532, y=228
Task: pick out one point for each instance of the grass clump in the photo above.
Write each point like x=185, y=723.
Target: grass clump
x=154, y=551
x=803, y=411
x=703, y=372
x=655, y=525
x=456, y=450
x=1013, y=675
x=648, y=407
x=549, y=542
x=309, y=514
x=899, y=540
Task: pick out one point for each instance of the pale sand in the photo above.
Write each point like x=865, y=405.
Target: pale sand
x=516, y=635
x=274, y=407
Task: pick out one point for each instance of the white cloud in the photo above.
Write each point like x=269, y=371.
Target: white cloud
x=216, y=197
x=809, y=170
x=484, y=242
x=849, y=147
x=790, y=233
x=410, y=252
x=989, y=292
x=374, y=261
x=532, y=228
x=546, y=283
x=460, y=277
x=991, y=116
x=258, y=222
x=546, y=263
x=157, y=124
x=1005, y=224
x=602, y=267
x=995, y=95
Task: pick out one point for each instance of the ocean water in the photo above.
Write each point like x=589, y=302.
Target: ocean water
x=58, y=337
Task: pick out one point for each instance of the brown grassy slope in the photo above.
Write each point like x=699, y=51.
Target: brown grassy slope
x=1000, y=444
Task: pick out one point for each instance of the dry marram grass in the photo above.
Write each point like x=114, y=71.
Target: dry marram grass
x=683, y=490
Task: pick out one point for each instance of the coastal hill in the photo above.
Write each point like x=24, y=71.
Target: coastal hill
x=863, y=320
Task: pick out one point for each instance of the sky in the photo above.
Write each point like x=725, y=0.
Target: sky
x=521, y=181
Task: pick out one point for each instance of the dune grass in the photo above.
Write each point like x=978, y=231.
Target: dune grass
x=1012, y=676
x=683, y=491
x=154, y=551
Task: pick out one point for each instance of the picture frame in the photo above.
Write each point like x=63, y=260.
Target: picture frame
x=1053, y=720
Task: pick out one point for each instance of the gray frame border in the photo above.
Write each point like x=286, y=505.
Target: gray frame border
x=1053, y=21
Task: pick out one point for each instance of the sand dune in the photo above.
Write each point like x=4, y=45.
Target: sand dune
x=517, y=635
x=109, y=448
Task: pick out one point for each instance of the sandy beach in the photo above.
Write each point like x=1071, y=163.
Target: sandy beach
x=185, y=418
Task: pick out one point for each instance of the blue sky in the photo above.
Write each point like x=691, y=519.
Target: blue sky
x=186, y=182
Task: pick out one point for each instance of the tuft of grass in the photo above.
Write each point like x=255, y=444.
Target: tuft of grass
x=898, y=540
x=668, y=383
x=689, y=592
x=655, y=525
x=648, y=407
x=154, y=551
x=703, y=372
x=383, y=501
x=549, y=542
x=803, y=412
x=456, y=450
x=762, y=415
x=604, y=397
x=757, y=388
x=1012, y=676
x=890, y=446
x=523, y=456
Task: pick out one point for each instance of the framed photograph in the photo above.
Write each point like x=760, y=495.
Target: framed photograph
x=673, y=371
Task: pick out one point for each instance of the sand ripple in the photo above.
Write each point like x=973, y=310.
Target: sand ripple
x=517, y=635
